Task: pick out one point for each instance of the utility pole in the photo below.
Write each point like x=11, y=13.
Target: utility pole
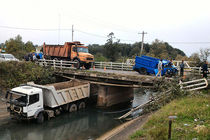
x=72, y=32
x=142, y=42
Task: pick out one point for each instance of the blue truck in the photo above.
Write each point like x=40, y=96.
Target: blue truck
x=149, y=65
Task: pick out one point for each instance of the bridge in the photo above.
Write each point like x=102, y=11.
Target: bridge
x=112, y=82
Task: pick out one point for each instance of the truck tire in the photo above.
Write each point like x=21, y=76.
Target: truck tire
x=66, y=107
x=77, y=64
x=40, y=118
x=81, y=105
x=57, y=112
x=87, y=66
x=143, y=71
x=73, y=108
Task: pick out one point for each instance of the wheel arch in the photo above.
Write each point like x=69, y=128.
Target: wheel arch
x=76, y=58
x=41, y=110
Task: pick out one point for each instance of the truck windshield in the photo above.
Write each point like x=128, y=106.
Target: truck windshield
x=82, y=49
x=18, y=99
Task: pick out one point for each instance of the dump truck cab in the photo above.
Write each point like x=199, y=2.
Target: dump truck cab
x=80, y=55
x=26, y=102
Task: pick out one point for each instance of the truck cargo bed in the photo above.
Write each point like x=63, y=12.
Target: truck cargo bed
x=58, y=94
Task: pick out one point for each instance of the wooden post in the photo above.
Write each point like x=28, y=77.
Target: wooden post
x=199, y=70
x=61, y=64
x=54, y=63
x=111, y=65
x=169, y=129
x=45, y=63
x=101, y=65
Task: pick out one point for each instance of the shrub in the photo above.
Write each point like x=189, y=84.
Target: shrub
x=15, y=73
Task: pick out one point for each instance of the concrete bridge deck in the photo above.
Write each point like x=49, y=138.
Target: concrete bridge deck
x=111, y=77
x=111, y=86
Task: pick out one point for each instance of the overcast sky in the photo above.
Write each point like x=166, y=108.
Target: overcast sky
x=173, y=21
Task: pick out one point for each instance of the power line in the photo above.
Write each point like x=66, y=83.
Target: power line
x=38, y=29
x=189, y=42
x=92, y=34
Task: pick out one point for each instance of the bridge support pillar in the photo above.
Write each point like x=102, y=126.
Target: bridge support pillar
x=112, y=95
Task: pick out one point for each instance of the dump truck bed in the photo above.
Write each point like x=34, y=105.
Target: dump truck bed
x=58, y=94
x=57, y=50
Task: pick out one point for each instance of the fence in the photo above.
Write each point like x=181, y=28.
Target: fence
x=104, y=65
x=56, y=63
x=194, y=84
x=113, y=66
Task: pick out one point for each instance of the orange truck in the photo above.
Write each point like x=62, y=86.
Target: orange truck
x=70, y=51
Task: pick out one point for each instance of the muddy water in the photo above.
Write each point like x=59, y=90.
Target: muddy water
x=87, y=124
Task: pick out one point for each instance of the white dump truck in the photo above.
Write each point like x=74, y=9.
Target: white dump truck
x=41, y=102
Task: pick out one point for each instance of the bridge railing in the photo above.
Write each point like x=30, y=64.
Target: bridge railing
x=113, y=66
x=56, y=63
x=104, y=65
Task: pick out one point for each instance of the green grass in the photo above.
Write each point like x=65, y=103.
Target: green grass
x=193, y=120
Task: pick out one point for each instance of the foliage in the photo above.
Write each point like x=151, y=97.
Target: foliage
x=200, y=58
x=192, y=120
x=100, y=58
x=204, y=54
x=196, y=59
x=15, y=73
x=115, y=51
x=18, y=48
x=111, y=48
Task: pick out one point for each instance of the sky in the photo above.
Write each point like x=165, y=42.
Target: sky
x=185, y=24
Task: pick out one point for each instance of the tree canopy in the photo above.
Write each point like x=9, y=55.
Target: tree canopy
x=18, y=48
x=116, y=51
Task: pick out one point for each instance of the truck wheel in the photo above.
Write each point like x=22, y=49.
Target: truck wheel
x=143, y=71
x=73, y=108
x=77, y=64
x=87, y=66
x=66, y=107
x=40, y=118
x=57, y=112
x=81, y=105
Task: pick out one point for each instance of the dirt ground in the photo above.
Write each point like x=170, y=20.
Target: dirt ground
x=123, y=131
x=4, y=115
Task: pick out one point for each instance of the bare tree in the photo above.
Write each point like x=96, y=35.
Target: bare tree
x=204, y=54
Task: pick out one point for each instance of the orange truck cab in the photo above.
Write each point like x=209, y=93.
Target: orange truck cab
x=70, y=51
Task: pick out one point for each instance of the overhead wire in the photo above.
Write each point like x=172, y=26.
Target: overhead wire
x=92, y=34
x=37, y=29
x=69, y=29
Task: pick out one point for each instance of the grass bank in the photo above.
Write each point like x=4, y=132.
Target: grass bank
x=193, y=120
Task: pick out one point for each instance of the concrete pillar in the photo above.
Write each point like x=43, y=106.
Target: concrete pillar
x=112, y=95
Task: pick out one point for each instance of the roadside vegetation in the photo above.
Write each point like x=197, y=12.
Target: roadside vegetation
x=193, y=119
x=113, y=50
x=17, y=47
x=15, y=73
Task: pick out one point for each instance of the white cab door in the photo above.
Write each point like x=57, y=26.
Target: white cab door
x=35, y=104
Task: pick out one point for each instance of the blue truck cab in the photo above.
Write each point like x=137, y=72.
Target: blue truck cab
x=149, y=65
